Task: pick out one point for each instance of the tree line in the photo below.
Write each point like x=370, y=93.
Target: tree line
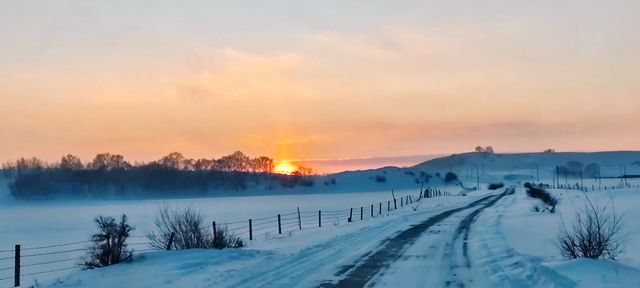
x=235, y=162
x=174, y=175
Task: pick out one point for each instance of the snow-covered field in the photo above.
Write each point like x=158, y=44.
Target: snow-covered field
x=36, y=224
x=498, y=241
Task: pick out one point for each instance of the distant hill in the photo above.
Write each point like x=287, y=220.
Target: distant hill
x=611, y=163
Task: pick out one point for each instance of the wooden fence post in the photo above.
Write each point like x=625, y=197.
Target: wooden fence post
x=361, y=213
x=279, y=225
x=16, y=269
x=215, y=232
x=299, y=220
x=319, y=218
x=250, y=229
x=351, y=215
x=171, y=238
x=401, y=200
x=395, y=204
x=371, y=210
x=380, y=209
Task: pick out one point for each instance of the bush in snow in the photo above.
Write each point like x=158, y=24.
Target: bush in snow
x=110, y=243
x=381, y=178
x=495, y=186
x=594, y=234
x=539, y=193
x=187, y=225
x=224, y=239
x=190, y=231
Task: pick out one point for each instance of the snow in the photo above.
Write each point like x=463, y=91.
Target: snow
x=509, y=244
x=290, y=260
x=598, y=273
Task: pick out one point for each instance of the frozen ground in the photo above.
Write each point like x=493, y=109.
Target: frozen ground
x=481, y=240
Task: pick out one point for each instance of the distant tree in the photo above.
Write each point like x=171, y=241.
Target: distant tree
x=489, y=149
x=574, y=167
x=303, y=171
x=450, y=177
x=236, y=162
x=479, y=149
x=29, y=164
x=203, y=164
x=592, y=170
x=549, y=150
x=106, y=161
x=266, y=164
x=175, y=161
x=71, y=162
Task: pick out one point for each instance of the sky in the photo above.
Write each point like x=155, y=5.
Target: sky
x=326, y=79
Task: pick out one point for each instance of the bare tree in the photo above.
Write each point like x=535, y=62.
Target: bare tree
x=71, y=162
x=109, y=161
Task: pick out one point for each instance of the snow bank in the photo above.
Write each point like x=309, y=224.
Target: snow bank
x=598, y=273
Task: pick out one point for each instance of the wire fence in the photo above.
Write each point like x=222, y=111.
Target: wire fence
x=20, y=262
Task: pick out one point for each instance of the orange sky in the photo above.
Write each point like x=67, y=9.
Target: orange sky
x=294, y=80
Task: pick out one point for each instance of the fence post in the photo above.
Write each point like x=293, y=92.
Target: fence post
x=250, y=229
x=16, y=275
x=361, y=213
x=371, y=210
x=395, y=204
x=279, y=225
x=380, y=209
x=319, y=218
x=388, y=205
x=214, y=232
x=171, y=238
x=401, y=200
x=299, y=220
x=350, y=214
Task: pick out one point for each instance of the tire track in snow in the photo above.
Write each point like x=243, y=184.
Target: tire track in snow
x=292, y=269
x=392, y=249
x=506, y=267
x=463, y=230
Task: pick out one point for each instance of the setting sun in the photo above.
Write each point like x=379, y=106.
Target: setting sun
x=285, y=167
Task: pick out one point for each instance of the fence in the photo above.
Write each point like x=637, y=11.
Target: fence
x=25, y=262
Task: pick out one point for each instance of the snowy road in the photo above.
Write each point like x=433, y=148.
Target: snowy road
x=436, y=251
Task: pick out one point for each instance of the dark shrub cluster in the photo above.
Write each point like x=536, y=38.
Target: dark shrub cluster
x=450, y=177
x=539, y=193
x=495, y=186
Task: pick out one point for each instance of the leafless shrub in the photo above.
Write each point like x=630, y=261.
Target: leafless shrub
x=595, y=234
x=225, y=239
x=190, y=231
x=187, y=225
x=110, y=245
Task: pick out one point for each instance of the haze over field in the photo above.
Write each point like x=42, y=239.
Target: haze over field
x=297, y=80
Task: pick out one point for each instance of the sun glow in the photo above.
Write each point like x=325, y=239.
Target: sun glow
x=284, y=167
